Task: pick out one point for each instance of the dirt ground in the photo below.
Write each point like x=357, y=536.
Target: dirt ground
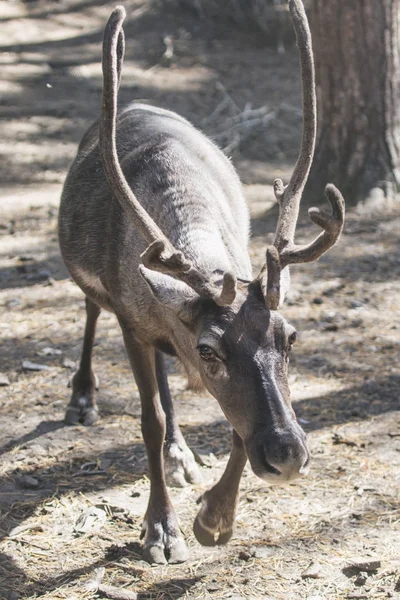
x=72, y=498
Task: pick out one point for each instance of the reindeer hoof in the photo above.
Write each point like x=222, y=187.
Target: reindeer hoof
x=180, y=465
x=77, y=415
x=163, y=541
x=178, y=552
x=210, y=537
x=170, y=550
x=154, y=555
x=214, y=522
x=72, y=416
x=160, y=555
x=91, y=416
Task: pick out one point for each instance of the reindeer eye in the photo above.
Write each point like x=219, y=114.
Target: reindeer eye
x=206, y=353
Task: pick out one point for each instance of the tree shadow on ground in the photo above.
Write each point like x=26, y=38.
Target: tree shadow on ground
x=14, y=580
x=41, y=429
x=371, y=268
x=129, y=464
x=59, y=98
x=34, y=272
x=336, y=408
x=351, y=404
x=66, y=477
x=34, y=8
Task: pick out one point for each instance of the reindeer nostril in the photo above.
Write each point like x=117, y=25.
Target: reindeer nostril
x=304, y=469
x=270, y=469
x=267, y=465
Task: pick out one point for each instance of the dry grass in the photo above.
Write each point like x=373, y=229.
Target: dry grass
x=347, y=507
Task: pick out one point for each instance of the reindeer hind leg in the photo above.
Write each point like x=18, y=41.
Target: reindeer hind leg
x=179, y=462
x=82, y=405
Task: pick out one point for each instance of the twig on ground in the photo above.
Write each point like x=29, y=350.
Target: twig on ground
x=94, y=585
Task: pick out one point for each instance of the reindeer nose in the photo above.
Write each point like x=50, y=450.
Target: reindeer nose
x=291, y=469
x=279, y=456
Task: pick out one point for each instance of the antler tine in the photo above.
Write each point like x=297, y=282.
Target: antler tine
x=177, y=266
x=331, y=224
x=228, y=291
x=289, y=197
x=160, y=255
x=273, y=291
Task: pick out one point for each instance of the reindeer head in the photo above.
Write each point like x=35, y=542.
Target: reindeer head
x=230, y=329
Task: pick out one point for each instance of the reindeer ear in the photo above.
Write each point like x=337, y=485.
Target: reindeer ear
x=171, y=293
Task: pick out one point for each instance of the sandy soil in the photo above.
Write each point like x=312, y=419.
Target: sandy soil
x=345, y=374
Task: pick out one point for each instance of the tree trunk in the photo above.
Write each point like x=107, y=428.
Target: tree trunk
x=356, y=48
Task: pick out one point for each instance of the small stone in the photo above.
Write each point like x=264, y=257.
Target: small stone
x=244, y=555
x=337, y=438
x=13, y=302
x=4, y=380
x=356, y=304
x=27, y=365
x=28, y=482
x=42, y=275
x=213, y=587
x=367, y=565
x=48, y=351
x=24, y=258
x=67, y=363
x=356, y=323
x=318, y=300
x=361, y=578
x=49, y=281
x=262, y=551
x=330, y=326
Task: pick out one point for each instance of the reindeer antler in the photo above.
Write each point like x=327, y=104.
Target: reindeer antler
x=285, y=250
x=176, y=265
x=161, y=254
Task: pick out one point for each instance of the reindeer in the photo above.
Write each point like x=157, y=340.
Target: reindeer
x=154, y=227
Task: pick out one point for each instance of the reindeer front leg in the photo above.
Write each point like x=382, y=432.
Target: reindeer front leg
x=163, y=541
x=214, y=522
